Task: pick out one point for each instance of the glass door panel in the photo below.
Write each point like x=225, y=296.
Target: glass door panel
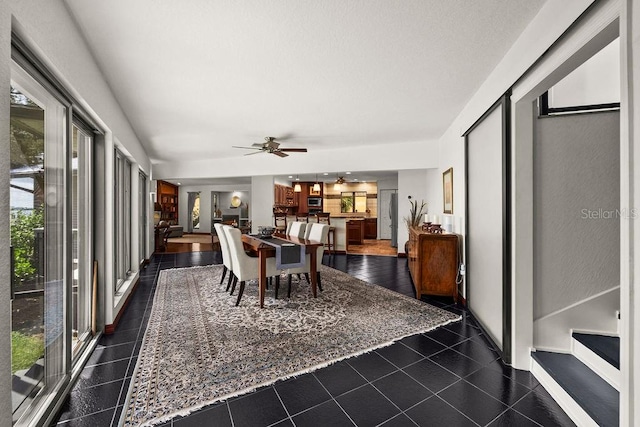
x=37, y=123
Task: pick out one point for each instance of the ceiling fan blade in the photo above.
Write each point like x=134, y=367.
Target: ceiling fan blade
x=294, y=150
x=280, y=153
x=257, y=144
x=247, y=148
x=256, y=152
x=286, y=136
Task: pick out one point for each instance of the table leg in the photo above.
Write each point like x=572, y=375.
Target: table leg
x=262, y=279
x=313, y=272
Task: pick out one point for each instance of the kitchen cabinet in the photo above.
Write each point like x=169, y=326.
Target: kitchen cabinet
x=433, y=263
x=371, y=228
x=306, y=192
x=284, y=196
x=355, y=232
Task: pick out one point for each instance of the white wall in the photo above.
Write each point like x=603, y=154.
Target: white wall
x=410, y=183
x=576, y=196
x=262, y=201
x=597, y=81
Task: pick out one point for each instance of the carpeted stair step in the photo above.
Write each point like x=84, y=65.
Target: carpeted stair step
x=597, y=398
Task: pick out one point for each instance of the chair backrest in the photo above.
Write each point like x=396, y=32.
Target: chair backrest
x=302, y=217
x=224, y=245
x=324, y=217
x=236, y=251
x=280, y=220
x=319, y=233
x=297, y=229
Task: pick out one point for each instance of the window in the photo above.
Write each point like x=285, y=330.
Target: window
x=353, y=201
x=142, y=216
x=593, y=86
x=82, y=253
x=122, y=199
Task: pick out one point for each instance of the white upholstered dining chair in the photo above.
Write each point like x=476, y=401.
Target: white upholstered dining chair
x=297, y=229
x=226, y=255
x=319, y=233
x=246, y=267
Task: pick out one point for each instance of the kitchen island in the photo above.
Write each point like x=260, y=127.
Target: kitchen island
x=366, y=229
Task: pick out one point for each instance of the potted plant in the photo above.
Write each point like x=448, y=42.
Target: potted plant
x=414, y=219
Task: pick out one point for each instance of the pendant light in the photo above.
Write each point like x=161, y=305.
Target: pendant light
x=316, y=186
x=297, y=188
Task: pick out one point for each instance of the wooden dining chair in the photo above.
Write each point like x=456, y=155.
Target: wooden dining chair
x=280, y=222
x=302, y=217
x=325, y=218
x=246, y=267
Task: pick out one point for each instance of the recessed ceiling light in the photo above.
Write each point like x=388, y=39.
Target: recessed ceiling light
x=348, y=173
x=178, y=183
x=326, y=173
x=355, y=179
x=290, y=176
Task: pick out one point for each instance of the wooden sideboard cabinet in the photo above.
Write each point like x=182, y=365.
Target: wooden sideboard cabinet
x=433, y=263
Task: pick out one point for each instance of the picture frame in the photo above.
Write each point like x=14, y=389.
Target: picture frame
x=447, y=191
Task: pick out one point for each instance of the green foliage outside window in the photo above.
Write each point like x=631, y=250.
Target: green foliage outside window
x=23, y=226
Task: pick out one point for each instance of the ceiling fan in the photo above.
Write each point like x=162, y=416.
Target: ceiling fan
x=271, y=146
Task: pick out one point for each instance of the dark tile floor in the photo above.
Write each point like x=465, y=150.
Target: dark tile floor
x=447, y=377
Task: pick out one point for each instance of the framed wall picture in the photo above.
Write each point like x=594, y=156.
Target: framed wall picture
x=447, y=190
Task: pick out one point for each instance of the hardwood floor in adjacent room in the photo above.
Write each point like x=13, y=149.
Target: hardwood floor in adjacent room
x=373, y=247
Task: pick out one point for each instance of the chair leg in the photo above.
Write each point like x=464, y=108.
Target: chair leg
x=240, y=293
x=233, y=286
x=277, y=286
x=224, y=273
x=231, y=276
x=318, y=280
x=306, y=276
x=289, y=284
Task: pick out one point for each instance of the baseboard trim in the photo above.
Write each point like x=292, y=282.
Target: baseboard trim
x=111, y=328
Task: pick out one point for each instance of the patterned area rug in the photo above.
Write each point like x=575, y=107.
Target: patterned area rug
x=199, y=348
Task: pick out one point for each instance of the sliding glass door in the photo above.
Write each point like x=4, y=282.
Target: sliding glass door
x=82, y=295
x=37, y=200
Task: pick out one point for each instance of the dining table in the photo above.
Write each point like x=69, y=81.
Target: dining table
x=261, y=246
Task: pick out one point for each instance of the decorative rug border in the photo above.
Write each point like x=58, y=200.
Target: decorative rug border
x=192, y=409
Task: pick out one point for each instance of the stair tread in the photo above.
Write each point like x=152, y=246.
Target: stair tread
x=592, y=393
x=608, y=348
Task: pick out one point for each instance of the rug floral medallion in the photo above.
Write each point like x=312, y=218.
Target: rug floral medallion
x=199, y=348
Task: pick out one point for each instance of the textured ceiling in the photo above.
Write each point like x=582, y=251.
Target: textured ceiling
x=196, y=77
